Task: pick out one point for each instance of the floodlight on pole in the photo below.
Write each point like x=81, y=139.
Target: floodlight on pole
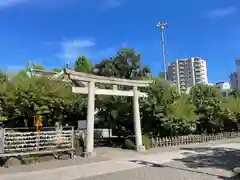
x=161, y=25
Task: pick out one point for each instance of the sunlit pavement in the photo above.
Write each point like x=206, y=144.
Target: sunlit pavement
x=213, y=162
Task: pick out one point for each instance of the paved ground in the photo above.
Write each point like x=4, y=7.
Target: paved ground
x=167, y=171
x=213, y=161
x=201, y=163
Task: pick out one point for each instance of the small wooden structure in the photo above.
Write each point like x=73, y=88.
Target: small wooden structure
x=21, y=141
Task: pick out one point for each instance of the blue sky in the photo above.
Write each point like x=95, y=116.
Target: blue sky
x=52, y=32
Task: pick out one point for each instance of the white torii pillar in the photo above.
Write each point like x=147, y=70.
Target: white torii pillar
x=137, y=121
x=90, y=120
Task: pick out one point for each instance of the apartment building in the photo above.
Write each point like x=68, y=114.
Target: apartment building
x=234, y=80
x=235, y=76
x=187, y=72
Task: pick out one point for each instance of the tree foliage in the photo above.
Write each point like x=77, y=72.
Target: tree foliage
x=163, y=113
x=207, y=100
x=117, y=111
x=83, y=65
x=3, y=77
x=24, y=97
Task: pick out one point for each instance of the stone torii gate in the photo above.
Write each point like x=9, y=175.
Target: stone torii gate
x=89, y=80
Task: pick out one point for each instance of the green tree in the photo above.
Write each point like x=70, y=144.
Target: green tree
x=116, y=112
x=230, y=114
x=126, y=64
x=37, y=95
x=3, y=77
x=155, y=107
x=83, y=65
x=56, y=70
x=207, y=100
x=34, y=66
x=181, y=117
x=235, y=94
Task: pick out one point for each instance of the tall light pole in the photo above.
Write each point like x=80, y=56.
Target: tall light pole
x=161, y=25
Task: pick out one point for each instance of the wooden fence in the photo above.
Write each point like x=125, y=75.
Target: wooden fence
x=190, y=139
x=19, y=142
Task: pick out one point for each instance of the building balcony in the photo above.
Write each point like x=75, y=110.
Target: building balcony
x=199, y=73
x=197, y=59
x=199, y=77
x=181, y=62
x=181, y=67
x=197, y=63
x=197, y=66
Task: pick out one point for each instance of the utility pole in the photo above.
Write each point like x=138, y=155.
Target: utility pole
x=161, y=25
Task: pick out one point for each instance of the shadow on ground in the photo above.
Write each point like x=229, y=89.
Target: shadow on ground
x=150, y=164
x=220, y=158
x=216, y=158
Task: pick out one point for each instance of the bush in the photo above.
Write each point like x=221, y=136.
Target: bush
x=129, y=144
x=97, y=135
x=146, y=141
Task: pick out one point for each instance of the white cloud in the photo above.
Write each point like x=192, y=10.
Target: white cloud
x=221, y=12
x=8, y=3
x=106, y=4
x=71, y=49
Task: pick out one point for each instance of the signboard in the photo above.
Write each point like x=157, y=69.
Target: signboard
x=82, y=124
x=38, y=122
